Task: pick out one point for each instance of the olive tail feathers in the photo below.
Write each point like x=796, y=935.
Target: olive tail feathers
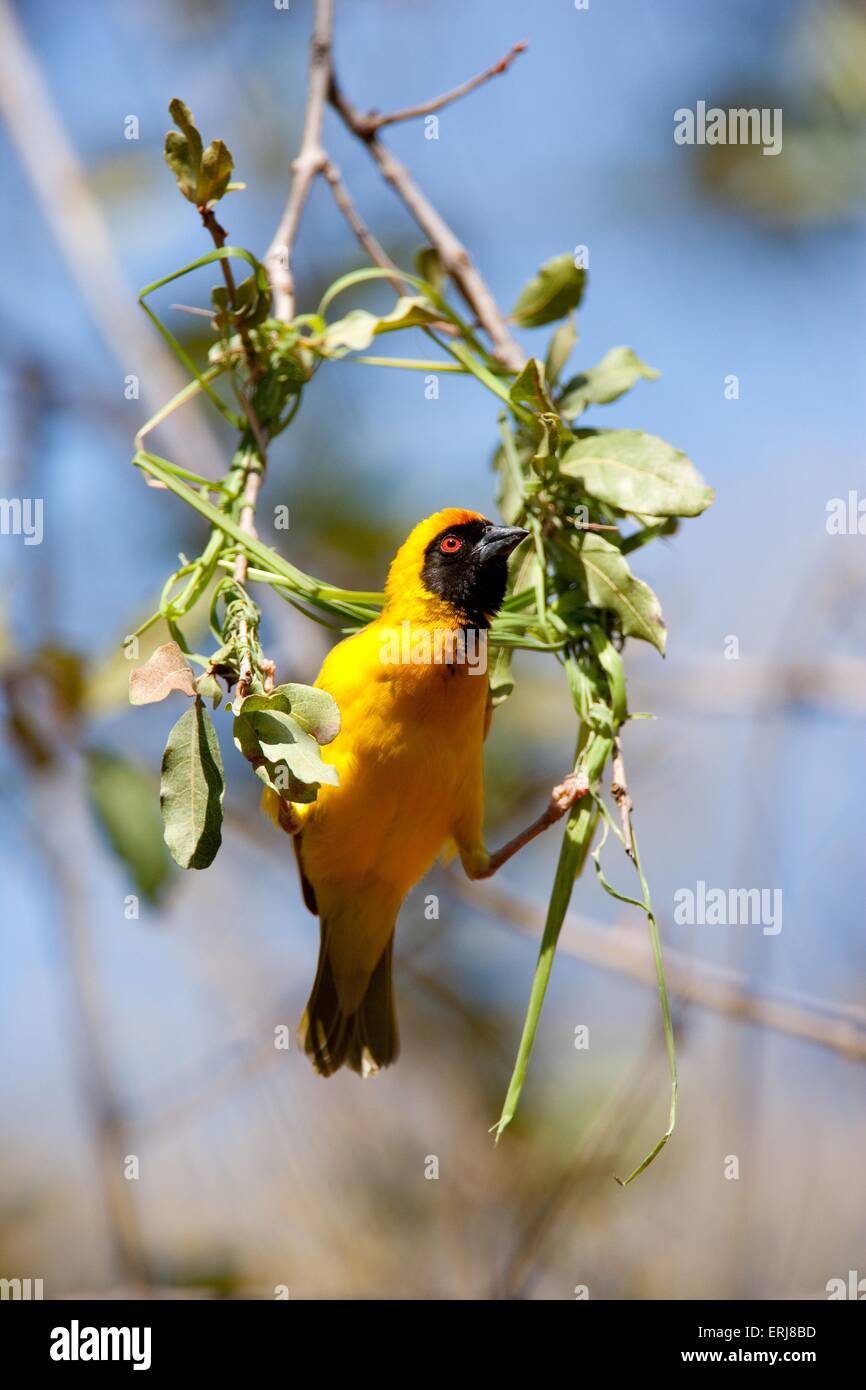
x=364, y=1040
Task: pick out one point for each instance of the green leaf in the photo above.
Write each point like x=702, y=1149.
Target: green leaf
x=611, y=663
x=600, y=720
x=501, y=676
x=353, y=333
x=215, y=173
x=548, y=441
x=250, y=307
x=280, y=735
x=283, y=740
x=315, y=710
x=202, y=176
x=579, y=830
x=615, y=374
x=180, y=162
x=557, y=288
x=638, y=473
x=428, y=264
x=530, y=387
x=611, y=584
x=645, y=904
x=192, y=789
x=284, y=756
x=183, y=152
x=247, y=743
x=182, y=117
x=167, y=669
x=357, y=330
x=122, y=798
x=209, y=688
x=512, y=478
x=559, y=350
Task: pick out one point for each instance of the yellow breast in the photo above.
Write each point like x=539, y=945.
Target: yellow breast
x=409, y=740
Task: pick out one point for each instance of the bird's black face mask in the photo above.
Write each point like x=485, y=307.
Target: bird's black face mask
x=467, y=566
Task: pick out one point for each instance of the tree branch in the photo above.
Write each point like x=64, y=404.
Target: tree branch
x=377, y=253
x=619, y=792
x=309, y=162
x=374, y=121
x=255, y=466
x=313, y=160
x=374, y=249
x=453, y=254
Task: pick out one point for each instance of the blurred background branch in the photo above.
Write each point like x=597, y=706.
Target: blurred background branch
x=80, y=230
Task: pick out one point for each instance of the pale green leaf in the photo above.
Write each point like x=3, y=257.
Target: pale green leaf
x=638, y=473
x=192, y=789
x=530, y=387
x=315, y=710
x=611, y=584
x=559, y=350
x=609, y=379
x=215, y=172
x=357, y=330
x=180, y=162
x=557, y=288
x=183, y=152
x=428, y=264
x=282, y=740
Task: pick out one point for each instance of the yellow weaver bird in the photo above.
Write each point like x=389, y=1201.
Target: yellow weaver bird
x=415, y=709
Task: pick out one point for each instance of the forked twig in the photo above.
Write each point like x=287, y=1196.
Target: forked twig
x=375, y=120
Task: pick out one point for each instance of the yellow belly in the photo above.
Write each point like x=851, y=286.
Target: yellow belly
x=408, y=744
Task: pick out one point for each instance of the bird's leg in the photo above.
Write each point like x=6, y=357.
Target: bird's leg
x=288, y=818
x=562, y=798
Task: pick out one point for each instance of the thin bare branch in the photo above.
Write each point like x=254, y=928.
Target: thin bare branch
x=374, y=249
x=619, y=792
x=377, y=253
x=374, y=121
x=309, y=162
x=453, y=254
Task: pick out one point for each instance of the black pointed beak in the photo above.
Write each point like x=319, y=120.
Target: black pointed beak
x=499, y=540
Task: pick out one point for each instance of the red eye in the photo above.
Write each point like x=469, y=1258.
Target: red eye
x=449, y=545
